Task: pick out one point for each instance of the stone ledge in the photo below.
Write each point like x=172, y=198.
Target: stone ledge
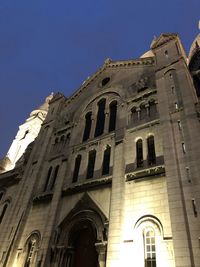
x=90, y=184
x=43, y=197
x=152, y=172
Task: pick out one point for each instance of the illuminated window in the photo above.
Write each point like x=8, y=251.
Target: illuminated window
x=48, y=178
x=106, y=161
x=100, y=118
x=113, y=113
x=88, y=124
x=30, y=250
x=149, y=247
x=91, y=163
x=139, y=153
x=76, y=168
x=151, y=150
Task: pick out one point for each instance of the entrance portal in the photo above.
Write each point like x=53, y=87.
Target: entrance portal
x=85, y=254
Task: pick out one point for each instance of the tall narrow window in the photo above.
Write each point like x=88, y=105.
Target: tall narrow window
x=151, y=150
x=3, y=212
x=48, y=178
x=100, y=118
x=76, y=168
x=31, y=248
x=91, y=163
x=139, y=153
x=152, y=109
x=113, y=114
x=150, y=248
x=106, y=161
x=88, y=124
x=134, y=115
x=54, y=177
x=143, y=112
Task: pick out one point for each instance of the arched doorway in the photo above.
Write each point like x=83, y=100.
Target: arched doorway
x=83, y=239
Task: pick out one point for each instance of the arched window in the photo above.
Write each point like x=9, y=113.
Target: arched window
x=151, y=150
x=113, y=114
x=3, y=211
x=106, y=161
x=62, y=138
x=76, y=168
x=152, y=109
x=88, y=124
x=100, y=118
x=54, y=177
x=30, y=250
x=143, y=112
x=68, y=138
x=48, y=178
x=139, y=153
x=150, y=247
x=91, y=163
x=134, y=115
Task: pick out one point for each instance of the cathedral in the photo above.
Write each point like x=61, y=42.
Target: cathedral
x=110, y=176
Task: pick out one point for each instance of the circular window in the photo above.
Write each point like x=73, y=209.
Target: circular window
x=105, y=81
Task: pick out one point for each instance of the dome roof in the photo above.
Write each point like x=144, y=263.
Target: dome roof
x=194, y=47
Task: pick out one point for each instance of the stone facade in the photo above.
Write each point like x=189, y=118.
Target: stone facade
x=112, y=178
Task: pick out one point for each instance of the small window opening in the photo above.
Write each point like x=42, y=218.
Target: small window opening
x=194, y=207
x=134, y=114
x=172, y=89
x=176, y=105
x=183, y=147
x=106, y=161
x=166, y=53
x=139, y=153
x=91, y=164
x=25, y=134
x=76, y=168
x=188, y=174
x=105, y=81
x=179, y=125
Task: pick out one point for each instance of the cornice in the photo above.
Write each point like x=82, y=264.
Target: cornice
x=108, y=64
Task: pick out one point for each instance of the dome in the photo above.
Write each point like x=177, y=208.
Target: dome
x=195, y=47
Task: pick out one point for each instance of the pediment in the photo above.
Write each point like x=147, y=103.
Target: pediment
x=162, y=39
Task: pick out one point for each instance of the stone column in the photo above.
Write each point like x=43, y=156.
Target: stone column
x=101, y=249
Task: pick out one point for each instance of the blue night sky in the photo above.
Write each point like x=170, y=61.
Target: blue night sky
x=49, y=45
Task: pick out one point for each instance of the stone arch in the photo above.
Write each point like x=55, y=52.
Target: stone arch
x=84, y=218
x=150, y=220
